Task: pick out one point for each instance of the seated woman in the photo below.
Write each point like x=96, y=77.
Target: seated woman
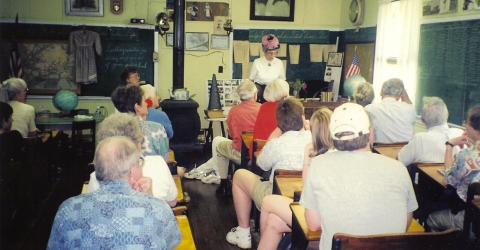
x=364, y=94
x=14, y=91
x=131, y=99
x=12, y=147
x=276, y=91
x=284, y=152
x=154, y=114
x=276, y=216
x=122, y=124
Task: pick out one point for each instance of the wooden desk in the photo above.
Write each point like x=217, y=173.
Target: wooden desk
x=187, y=242
x=178, y=183
x=389, y=151
x=286, y=185
x=432, y=172
x=57, y=121
x=303, y=237
x=312, y=106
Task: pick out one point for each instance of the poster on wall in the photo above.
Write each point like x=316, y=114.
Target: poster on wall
x=205, y=11
x=433, y=7
x=471, y=5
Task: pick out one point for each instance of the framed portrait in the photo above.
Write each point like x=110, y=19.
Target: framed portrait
x=272, y=10
x=335, y=59
x=169, y=39
x=196, y=41
x=220, y=41
x=84, y=8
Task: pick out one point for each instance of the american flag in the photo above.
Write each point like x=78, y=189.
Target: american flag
x=15, y=60
x=354, y=68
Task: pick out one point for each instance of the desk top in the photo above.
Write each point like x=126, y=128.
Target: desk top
x=432, y=172
x=287, y=184
x=56, y=118
x=221, y=119
x=247, y=139
x=389, y=151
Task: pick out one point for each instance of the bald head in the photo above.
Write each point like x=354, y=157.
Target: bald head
x=114, y=157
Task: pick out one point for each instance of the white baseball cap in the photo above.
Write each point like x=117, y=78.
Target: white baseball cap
x=350, y=119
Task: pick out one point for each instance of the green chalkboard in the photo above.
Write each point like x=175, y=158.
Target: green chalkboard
x=121, y=47
x=449, y=57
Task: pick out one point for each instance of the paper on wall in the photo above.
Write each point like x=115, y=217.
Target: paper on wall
x=246, y=68
x=255, y=49
x=316, y=53
x=241, y=51
x=218, y=22
x=285, y=66
x=294, y=53
x=282, y=52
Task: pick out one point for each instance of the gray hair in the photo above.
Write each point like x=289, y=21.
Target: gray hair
x=121, y=124
x=276, y=90
x=10, y=88
x=114, y=157
x=393, y=86
x=364, y=94
x=352, y=144
x=247, y=90
x=434, y=111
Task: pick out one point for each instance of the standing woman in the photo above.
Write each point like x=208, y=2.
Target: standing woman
x=14, y=91
x=267, y=68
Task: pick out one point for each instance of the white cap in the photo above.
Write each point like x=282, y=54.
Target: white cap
x=351, y=118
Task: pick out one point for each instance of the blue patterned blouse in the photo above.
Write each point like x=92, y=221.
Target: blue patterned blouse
x=155, y=141
x=465, y=169
x=114, y=217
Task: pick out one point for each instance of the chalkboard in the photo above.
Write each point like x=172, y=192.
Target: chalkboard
x=305, y=70
x=448, y=66
x=121, y=47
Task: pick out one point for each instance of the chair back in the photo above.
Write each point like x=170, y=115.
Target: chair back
x=472, y=212
x=256, y=146
x=81, y=141
x=411, y=241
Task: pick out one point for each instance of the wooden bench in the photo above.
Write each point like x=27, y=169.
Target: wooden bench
x=187, y=242
x=178, y=183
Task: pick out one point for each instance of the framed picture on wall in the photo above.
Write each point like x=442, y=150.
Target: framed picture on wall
x=196, y=41
x=84, y=8
x=169, y=40
x=335, y=59
x=272, y=10
x=220, y=41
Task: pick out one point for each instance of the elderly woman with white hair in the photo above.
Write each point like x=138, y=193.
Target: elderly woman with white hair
x=267, y=68
x=123, y=124
x=154, y=114
x=14, y=92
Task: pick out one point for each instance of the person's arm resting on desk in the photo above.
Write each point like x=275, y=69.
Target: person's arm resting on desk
x=313, y=219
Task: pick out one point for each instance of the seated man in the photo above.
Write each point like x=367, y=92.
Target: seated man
x=155, y=167
x=392, y=120
x=429, y=146
x=459, y=171
x=241, y=117
x=332, y=198
x=283, y=152
x=115, y=216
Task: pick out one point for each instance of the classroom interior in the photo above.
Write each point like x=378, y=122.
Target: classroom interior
x=331, y=16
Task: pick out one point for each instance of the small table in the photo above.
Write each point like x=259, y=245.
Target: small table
x=60, y=122
x=209, y=137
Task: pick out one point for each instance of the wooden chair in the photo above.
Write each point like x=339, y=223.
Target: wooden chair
x=258, y=144
x=411, y=241
x=471, y=220
x=187, y=242
x=83, y=140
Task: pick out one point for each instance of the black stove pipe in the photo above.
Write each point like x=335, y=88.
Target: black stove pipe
x=178, y=44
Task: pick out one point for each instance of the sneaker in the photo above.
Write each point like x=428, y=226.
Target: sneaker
x=242, y=242
x=211, y=179
x=195, y=174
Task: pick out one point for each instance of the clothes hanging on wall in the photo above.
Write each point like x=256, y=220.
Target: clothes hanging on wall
x=84, y=43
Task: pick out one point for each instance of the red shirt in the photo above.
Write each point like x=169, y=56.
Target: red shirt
x=266, y=122
x=241, y=117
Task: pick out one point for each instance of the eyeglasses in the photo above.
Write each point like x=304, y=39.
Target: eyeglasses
x=134, y=76
x=141, y=162
x=26, y=90
x=271, y=52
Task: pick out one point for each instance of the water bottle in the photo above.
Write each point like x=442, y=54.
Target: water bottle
x=98, y=111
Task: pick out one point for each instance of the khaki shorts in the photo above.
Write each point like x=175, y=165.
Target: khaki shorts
x=260, y=190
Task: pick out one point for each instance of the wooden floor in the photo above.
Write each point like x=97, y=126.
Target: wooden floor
x=211, y=217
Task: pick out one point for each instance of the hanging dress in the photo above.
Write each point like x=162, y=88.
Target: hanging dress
x=84, y=44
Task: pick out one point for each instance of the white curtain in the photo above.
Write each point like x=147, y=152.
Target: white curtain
x=398, y=36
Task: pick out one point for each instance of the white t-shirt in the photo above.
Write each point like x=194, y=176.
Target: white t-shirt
x=262, y=73
x=358, y=192
x=155, y=167
x=23, y=118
